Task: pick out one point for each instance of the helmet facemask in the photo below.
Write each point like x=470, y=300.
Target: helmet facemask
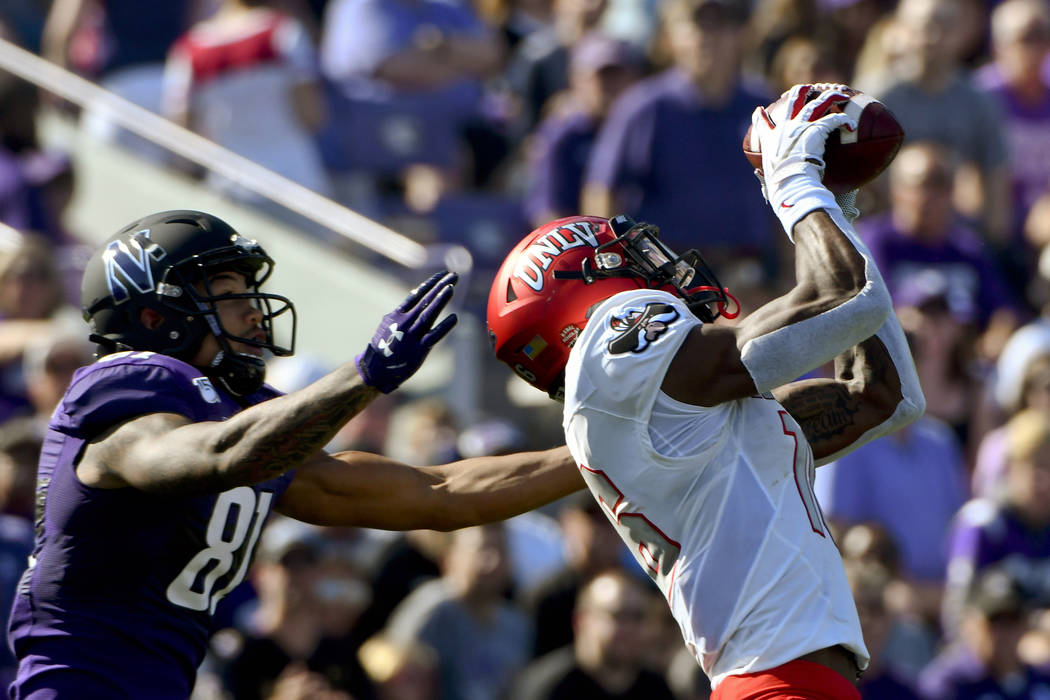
x=649, y=259
x=187, y=290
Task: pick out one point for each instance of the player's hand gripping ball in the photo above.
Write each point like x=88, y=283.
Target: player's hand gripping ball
x=852, y=158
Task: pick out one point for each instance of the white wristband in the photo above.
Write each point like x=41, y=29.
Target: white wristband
x=797, y=196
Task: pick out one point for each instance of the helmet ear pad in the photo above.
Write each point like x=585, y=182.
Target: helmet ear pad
x=145, y=324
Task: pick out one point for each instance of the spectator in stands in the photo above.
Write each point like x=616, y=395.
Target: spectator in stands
x=1015, y=79
x=847, y=27
x=106, y=37
x=926, y=252
x=20, y=443
x=534, y=541
x=989, y=472
x=606, y=657
x=918, y=470
x=601, y=69
x=400, y=671
x=931, y=96
x=1027, y=342
x=881, y=680
x=422, y=432
x=247, y=79
x=645, y=160
x=914, y=633
x=31, y=304
x=984, y=662
x=410, y=79
x=481, y=641
x=591, y=547
x=48, y=365
x=771, y=24
x=923, y=230
x=944, y=339
x=802, y=59
x=282, y=641
x=123, y=47
x=1012, y=533
x=38, y=198
x=539, y=68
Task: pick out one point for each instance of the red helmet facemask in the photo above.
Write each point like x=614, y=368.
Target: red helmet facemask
x=550, y=282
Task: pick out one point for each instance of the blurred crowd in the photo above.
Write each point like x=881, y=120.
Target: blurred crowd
x=471, y=121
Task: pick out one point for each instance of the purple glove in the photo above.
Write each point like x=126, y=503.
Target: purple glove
x=405, y=335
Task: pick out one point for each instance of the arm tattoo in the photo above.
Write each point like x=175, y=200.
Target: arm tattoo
x=824, y=411
x=865, y=393
x=305, y=431
x=277, y=435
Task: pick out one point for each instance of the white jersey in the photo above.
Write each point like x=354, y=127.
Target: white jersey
x=716, y=504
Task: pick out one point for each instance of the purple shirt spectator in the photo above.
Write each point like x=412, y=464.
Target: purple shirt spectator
x=557, y=162
x=886, y=687
x=973, y=282
x=912, y=483
x=987, y=533
x=676, y=162
x=14, y=192
x=361, y=34
x=958, y=675
x=1027, y=128
x=379, y=127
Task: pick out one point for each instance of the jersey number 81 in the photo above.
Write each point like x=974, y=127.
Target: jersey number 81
x=222, y=553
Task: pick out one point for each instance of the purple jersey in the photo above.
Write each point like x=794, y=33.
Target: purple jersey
x=122, y=584
x=984, y=534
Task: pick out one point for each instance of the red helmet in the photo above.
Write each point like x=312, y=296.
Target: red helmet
x=544, y=291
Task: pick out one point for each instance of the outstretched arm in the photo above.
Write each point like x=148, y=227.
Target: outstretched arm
x=367, y=490
x=169, y=453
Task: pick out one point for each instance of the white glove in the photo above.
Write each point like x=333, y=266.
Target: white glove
x=793, y=153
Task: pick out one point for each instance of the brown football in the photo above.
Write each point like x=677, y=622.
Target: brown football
x=851, y=158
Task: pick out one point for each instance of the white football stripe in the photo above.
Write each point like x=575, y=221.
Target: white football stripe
x=853, y=110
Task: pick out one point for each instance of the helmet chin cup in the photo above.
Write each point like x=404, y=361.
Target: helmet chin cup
x=240, y=373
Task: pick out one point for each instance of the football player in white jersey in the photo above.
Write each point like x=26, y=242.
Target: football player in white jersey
x=696, y=437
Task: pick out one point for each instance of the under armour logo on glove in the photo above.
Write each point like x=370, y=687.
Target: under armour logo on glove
x=406, y=334
x=395, y=335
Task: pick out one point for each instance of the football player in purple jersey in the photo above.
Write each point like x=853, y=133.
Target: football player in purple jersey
x=166, y=456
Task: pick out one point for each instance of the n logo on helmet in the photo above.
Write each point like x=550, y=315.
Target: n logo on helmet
x=127, y=265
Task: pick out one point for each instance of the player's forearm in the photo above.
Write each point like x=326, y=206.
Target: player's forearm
x=888, y=372
x=839, y=301
x=270, y=438
x=488, y=489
